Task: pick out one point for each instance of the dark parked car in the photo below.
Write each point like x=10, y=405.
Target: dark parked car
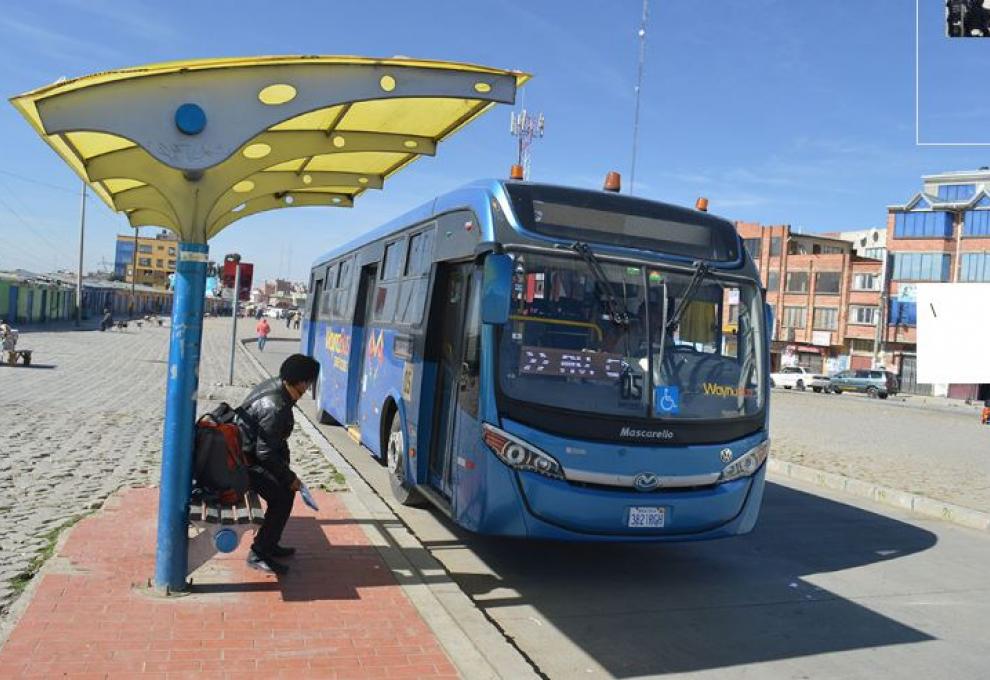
x=876, y=384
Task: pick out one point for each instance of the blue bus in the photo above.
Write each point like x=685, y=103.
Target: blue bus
x=552, y=362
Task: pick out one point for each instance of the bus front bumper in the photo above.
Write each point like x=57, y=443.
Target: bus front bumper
x=564, y=511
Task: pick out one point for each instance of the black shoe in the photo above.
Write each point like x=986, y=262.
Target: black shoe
x=267, y=564
x=279, y=551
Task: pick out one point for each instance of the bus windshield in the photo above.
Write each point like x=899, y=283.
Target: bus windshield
x=563, y=346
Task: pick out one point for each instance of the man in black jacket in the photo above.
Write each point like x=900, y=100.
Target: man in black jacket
x=265, y=431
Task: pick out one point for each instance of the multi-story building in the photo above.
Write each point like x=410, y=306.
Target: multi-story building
x=825, y=298
x=941, y=234
x=155, y=260
x=869, y=243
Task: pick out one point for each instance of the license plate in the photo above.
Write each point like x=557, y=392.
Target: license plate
x=646, y=518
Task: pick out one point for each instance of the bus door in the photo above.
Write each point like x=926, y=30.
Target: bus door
x=361, y=335
x=447, y=339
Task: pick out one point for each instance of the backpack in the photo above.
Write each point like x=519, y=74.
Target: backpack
x=220, y=466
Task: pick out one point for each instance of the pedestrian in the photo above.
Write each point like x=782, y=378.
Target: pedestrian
x=288, y=319
x=262, y=329
x=107, y=321
x=296, y=319
x=266, y=423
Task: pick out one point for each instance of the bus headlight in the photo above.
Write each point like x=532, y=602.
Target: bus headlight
x=518, y=454
x=746, y=464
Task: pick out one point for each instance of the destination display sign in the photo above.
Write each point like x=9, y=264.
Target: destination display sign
x=568, y=363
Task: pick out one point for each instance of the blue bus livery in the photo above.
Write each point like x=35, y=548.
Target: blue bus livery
x=552, y=362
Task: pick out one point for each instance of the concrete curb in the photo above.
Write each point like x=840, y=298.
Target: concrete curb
x=920, y=505
x=475, y=645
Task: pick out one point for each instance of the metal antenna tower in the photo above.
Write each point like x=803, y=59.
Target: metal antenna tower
x=526, y=128
x=639, y=88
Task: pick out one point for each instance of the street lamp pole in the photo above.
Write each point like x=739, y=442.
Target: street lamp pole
x=233, y=326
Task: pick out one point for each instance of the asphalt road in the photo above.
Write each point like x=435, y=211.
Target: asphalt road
x=826, y=587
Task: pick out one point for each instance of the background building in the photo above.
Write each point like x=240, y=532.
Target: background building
x=942, y=234
x=155, y=258
x=825, y=298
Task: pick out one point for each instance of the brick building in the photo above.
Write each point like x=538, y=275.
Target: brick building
x=825, y=298
x=942, y=234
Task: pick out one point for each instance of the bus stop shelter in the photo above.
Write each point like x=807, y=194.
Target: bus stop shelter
x=194, y=146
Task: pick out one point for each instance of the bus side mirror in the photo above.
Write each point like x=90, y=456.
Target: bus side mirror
x=769, y=312
x=496, y=289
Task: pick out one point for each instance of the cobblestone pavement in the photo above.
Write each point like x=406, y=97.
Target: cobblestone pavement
x=88, y=420
x=941, y=453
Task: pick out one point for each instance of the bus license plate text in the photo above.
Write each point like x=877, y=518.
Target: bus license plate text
x=647, y=518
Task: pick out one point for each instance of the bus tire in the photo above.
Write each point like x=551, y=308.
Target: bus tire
x=395, y=457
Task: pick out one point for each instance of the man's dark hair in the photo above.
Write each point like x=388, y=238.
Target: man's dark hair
x=298, y=368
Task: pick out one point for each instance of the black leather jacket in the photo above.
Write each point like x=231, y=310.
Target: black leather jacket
x=270, y=407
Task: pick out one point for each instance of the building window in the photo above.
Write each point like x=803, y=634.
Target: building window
x=773, y=282
x=927, y=224
x=956, y=192
x=863, y=316
x=774, y=246
x=753, y=246
x=144, y=261
x=794, y=317
x=142, y=248
x=861, y=346
x=797, y=282
x=902, y=313
x=171, y=264
x=826, y=319
x=921, y=267
x=171, y=252
x=974, y=267
x=976, y=223
x=866, y=282
x=160, y=263
x=828, y=283
x=873, y=253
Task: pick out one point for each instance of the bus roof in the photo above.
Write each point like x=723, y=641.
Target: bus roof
x=477, y=195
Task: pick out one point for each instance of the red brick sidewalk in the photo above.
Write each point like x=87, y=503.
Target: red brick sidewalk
x=338, y=614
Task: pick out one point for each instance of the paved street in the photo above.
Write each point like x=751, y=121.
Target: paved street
x=942, y=453
x=87, y=420
x=826, y=587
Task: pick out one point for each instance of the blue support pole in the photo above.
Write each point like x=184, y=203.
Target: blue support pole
x=171, y=557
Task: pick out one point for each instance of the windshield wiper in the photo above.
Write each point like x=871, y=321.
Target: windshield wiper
x=700, y=272
x=616, y=313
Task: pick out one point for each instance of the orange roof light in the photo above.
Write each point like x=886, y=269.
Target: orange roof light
x=701, y=204
x=613, y=181
x=516, y=172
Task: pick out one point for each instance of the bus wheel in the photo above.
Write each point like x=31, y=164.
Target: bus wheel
x=396, y=461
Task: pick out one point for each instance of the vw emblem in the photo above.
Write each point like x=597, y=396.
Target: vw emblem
x=725, y=455
x=646, y=481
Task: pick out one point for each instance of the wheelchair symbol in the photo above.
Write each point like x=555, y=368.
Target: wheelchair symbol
x=667, y=399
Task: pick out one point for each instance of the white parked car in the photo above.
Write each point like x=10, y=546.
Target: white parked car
x=799, y=378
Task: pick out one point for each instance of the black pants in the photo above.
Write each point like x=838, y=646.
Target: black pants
x=279, y=499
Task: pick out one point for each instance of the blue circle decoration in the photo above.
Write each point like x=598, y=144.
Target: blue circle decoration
x=190, y=119
x=225, y=540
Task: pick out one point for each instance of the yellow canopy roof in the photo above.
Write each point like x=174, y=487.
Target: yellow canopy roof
x=196, y=145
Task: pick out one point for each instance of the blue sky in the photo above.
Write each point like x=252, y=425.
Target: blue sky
x=779, y=111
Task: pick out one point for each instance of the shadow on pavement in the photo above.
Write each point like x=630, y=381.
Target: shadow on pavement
x=641, y=609
x=319, y=570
